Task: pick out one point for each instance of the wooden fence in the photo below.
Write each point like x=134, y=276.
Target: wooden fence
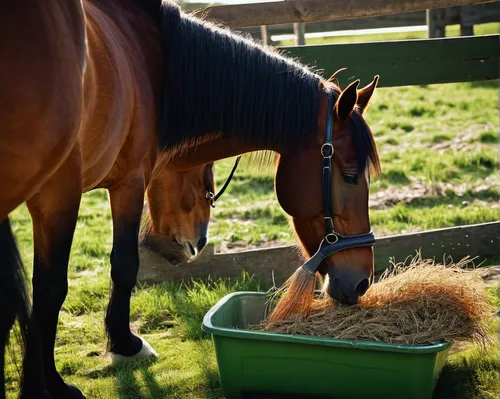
x=399, y=63
x=436, y=21
x=286, y=12
x=481, y=241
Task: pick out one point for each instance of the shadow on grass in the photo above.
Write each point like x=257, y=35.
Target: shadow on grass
x=470, y=375
x=128, y=386
x=210, y=374
x=486, y=84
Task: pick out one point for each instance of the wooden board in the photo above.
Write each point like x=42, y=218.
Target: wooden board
x=272, y=13
x=279, y=263
x=412, y=62
x=382, y=21
x=471, y=15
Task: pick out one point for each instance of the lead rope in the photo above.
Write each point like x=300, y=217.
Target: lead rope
x=214, y=197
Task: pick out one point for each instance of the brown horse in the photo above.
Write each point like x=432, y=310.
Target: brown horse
x=178, y=212
x=77, y=117
x=149, y=80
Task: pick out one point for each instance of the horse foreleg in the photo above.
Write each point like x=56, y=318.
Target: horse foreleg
x=54, y=210
x=127, y=201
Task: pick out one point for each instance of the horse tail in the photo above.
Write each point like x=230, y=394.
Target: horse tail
x=14, y=299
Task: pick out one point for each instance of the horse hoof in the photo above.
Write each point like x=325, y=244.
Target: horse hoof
x=146, y=351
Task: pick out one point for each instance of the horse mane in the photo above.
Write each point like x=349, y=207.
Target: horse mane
x=366, y=149
x=218, y=83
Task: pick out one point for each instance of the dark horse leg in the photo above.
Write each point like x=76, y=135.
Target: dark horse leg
x=54, y=210
x=127, y=201
x=13, y=295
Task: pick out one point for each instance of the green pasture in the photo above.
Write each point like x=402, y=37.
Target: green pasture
x=439, y=142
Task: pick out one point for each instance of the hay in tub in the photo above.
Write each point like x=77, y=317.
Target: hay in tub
x=417, y=304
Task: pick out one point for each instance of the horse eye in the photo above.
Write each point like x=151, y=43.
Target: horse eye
x=350, y=178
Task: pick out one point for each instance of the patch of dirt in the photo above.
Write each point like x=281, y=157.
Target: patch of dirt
x=240, y=246
x=490, y=275
x=417, y=190
x=457, y=143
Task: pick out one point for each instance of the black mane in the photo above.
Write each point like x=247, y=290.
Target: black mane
x=217, y=82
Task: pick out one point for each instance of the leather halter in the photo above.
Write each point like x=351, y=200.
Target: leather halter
x=210, y=196
x=333, y=241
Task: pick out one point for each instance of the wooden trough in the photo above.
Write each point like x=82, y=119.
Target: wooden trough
x=481, y=241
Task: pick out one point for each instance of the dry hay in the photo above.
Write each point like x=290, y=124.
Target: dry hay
x=419, y=304
x=294, y=297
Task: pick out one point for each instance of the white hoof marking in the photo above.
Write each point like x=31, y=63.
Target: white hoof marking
x=145, y=352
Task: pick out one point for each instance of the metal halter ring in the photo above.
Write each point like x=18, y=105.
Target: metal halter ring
x=210, y=196
x=323, y=150
x=332, y=238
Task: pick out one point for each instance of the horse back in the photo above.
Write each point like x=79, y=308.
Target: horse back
x=42, y=61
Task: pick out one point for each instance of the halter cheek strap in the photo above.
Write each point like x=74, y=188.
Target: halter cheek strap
x=333, y=241
x=210, y=196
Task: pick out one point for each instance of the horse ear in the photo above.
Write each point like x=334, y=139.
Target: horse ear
x=365, y=94
x=347, y=101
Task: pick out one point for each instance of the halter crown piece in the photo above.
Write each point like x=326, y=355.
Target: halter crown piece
x=333, y=241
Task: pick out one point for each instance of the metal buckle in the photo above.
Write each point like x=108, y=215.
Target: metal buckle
x=210, y=197
x=332, y=238
x=323, y=150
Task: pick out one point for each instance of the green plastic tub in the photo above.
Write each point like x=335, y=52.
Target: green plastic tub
x=259, y=363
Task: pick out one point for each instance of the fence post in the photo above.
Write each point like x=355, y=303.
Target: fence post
x=264, y=34
x=299, y=29
x=435, y=23
x=466, y=23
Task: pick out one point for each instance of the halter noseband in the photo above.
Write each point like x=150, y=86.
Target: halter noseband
x=333, y=241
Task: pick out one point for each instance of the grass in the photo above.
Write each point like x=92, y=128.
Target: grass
x=443, y=138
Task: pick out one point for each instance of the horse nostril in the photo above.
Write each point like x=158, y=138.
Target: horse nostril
x=362, y=287
x=189, y=248
x=201, y=243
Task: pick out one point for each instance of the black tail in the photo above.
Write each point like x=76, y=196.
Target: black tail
x=14, y=300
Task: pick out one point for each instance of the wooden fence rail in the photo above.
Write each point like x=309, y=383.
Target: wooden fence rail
x=466, y=17
x=482, y=240
x=285, y=12
x=410, y=62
